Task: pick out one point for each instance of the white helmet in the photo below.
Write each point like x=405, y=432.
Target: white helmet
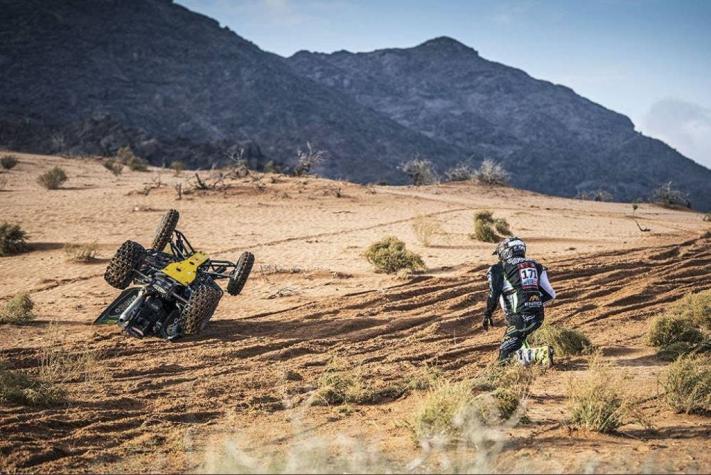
x=511, y=247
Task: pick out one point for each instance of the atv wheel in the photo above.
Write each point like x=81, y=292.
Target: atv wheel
x=128, y=258
x=240, y=274
x=165, y=230
x=201, y=305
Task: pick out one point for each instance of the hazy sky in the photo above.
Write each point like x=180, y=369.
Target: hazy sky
x=649, y=59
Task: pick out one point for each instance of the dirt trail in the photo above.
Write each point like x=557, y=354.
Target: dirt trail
x=150, y=405
x=156, y=390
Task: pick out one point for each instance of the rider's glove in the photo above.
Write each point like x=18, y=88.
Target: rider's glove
x=487, y=322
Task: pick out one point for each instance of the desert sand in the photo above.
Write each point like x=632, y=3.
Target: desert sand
x=229, y=398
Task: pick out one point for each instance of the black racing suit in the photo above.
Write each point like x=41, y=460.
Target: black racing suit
x=521, y=286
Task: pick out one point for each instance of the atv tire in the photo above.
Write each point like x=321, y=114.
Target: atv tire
x=165, y=230
x=120, y=271
x=240, y=274
x=200, y=308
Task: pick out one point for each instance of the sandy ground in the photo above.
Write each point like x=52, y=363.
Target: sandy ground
x=156, y=406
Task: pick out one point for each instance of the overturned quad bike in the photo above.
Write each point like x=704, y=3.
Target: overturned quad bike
x=176, y=292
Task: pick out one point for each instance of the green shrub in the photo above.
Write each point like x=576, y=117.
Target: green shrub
x=695, y=307
x=484, y=225
x=23, y=389
x=687, y=384
x=674, y=350
x=666, y=330
x=564, y=341
x=12, y=239
x=389, y=255
x=53, y=178
x=8, y=162
x=17, y=310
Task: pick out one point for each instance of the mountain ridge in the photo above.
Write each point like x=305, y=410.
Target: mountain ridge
x=447, y=91
x=174, y=85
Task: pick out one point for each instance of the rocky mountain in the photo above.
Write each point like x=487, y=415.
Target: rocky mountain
x=91, y=76
x=550, y=138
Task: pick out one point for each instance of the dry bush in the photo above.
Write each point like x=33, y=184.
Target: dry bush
x=668, y=196
x=564, y=341
x=21, y=388
x=307, y=159
x=425, y=228
x=52, y=179
x=341, y=383
x=390, y=255
x=510, y=384
x=491, y=173
x=489, y=229
x=707, y=217
x=599, y=401
x=666, y=330
x=424, y=377
x=8, y=162
x=444, y=411
x=61, y=364
x=18, y=310
x=460, y=172
x=695, y=307
x=420, y=171
x=502, y=227
x=687, y=384
x=126, y=156
x=114, y=166
x=596, y=195
x=12, y=239
x=81, y=252
x=451, y=410
x=177, y=166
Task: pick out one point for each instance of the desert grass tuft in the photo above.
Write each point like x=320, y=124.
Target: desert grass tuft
x=81, y=252
x=426, y=228
x=687, y=384
x=18, y=310
x=52, y=179
x=390, y=255
x=489, y=229
x=114, y=166
x=598, y=400
x=424, y=377
x=8, y=162
x=12, y=239
x=564, y=341
x=443, y=411
x=61, y=363
x=134, y=163
x=21, y=388
x=341, y=384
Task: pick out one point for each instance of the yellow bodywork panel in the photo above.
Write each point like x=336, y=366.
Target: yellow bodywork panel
x=185, y=271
